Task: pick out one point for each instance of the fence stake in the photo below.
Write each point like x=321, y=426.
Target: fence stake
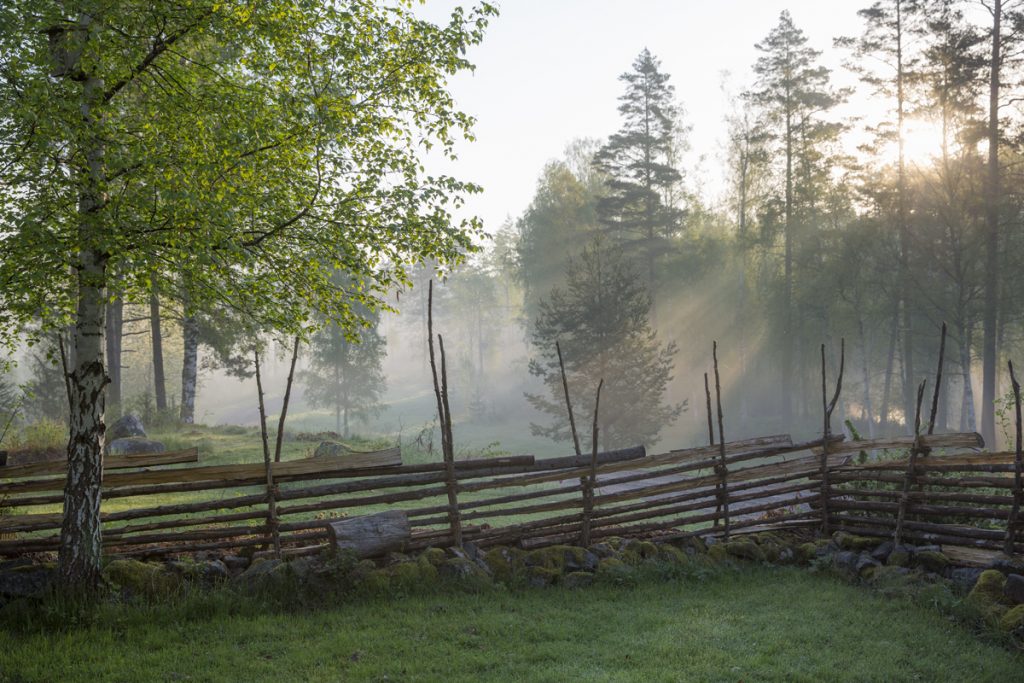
x=826, y=409
x=911, y=473
x=272, y=524
x=1013, y=521
x=590, y=481
x=721, y=469
x=445, y=422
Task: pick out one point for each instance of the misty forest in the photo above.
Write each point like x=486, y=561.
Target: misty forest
x=349, y=317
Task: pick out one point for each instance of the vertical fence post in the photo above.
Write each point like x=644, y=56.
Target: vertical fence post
x=721, y=469
x=445, y=421
x=827, y=407
x=1013, y=521
x=272, y=522
x=911, y=474
x=589, y=482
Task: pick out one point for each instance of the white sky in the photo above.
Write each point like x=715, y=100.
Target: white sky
x=547, y=72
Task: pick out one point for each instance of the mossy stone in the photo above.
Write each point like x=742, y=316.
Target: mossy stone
x=141, y=578
x=574, y=580
x=435, y=556
x=988, y=590
x=671, y=554
x=635, y=552
x=614, y=571
x=500, y=561
x=412, y=575
x=1013, y=620
x=464, y=573
x=557, y=557
x=538, y=576
x=718, y=553
x=932, y=560
x=805, y=552
x=898, y=558
x=745, y=549
x=850, y=542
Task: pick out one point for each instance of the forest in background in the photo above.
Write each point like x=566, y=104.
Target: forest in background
x=623, y=259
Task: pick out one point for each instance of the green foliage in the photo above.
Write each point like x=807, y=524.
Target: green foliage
x=601, y=321
x=345, y=373
x=640, y=167
x=287, y=148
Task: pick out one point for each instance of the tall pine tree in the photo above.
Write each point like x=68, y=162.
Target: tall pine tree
x=792, y=92
x=641, y=180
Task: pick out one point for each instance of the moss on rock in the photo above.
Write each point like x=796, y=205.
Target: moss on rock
x=989, y=588
x=745, y=549
x=931, y=560
x=718, y=553
x=141, y=578
x=538, y=576
x=898, y=558
x=856, y=543
x=1013, y=620
x=577, y=580
x=634, y=552
x=435, y=556
x=501, y=562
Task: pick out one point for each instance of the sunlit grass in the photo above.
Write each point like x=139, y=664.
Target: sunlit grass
x=755, y=625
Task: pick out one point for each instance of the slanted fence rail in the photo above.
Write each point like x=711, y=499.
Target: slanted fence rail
x=154, y=506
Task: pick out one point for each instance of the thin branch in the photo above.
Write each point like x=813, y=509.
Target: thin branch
x=287, y=397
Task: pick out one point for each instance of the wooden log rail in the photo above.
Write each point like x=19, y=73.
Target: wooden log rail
x=670, y=495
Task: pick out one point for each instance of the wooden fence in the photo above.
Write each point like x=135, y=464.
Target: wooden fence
x=943, y=492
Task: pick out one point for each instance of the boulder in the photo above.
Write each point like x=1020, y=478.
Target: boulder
x=964, y=577
x=24, y=582
x=577, y=580
x=331, y=448
x=125, y=427
x=988, y=589
x=931, y=560
x=1014, y=588
x=465, y=573
x=134, y=445
x=1013, y=620
x=137, y=578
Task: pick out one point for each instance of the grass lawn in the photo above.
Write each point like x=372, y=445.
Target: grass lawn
x=758, y=624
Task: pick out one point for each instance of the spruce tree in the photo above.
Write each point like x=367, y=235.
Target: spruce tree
x=640, y=178
x=345, y=373
x=792, y=92
x=601, y=321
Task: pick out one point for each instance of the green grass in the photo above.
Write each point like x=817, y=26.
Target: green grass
x=753, y=625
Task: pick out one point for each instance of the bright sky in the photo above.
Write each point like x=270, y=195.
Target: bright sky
x=547, y=72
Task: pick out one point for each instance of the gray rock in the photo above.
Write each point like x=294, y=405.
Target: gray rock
x=258, y=572
x=24, y=583
x=124, y=427
x=865, y=562
x=461, y=569
x=882, y=552
x=331, y=448
x=134, y=445
x=1007, y=565
x=602, y=550
x=846, y=561
x=964, y=577
x=1014, y=588
x=235, y=564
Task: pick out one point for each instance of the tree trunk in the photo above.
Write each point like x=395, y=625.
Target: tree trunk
x=883, y=422
x=189, y=367
x=905, y=286
x=868, y=412
x=787, y=302
x=967, y=416
x=114, y=342
x=992, y=200
x=78, y=559
x=159, y=382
